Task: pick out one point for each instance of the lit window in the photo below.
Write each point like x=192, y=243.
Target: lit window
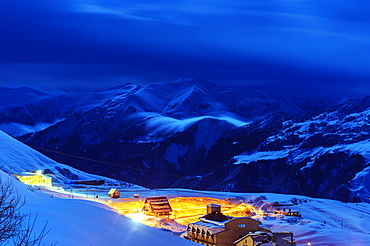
x=241, y=225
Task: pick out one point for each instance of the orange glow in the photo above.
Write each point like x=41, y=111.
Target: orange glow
x=131, y=206
x=188, y=209
x=185, y=210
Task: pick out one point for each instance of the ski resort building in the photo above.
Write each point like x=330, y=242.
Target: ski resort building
x=36, y=179
x=113, y=193
x=266, y=238
x=157, y=206
x=217, y=229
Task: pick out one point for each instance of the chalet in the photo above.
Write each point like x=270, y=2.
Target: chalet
x=114, y=193
x=157, y=206
x=254, y=239
x=217, y=229
x=36, y=179
x=265, y=239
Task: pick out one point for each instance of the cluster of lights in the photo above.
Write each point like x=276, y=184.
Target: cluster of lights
x=35, y=179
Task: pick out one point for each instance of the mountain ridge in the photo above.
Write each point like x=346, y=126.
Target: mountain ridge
x=198, y=135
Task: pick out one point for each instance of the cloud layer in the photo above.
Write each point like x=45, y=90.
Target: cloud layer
x=294, y=46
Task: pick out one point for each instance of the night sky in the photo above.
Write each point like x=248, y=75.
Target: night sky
x=293, y=47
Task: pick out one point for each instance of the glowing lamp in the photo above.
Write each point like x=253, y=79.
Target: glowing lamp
x=137, y=217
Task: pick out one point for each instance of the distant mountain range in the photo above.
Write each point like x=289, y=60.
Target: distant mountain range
x=199, y=135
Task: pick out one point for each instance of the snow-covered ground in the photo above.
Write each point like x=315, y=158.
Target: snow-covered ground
x=73, y=221
x=79, y=221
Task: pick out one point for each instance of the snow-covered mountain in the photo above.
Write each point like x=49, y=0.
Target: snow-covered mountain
x=18, y=158
x=179, y=103
x=200, y=135
x=322, y=156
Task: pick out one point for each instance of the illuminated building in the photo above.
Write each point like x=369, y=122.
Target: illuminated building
x=264, y=239
x=114, y=193
x=36, y=179
x=287, y=212
x=217, y=229
x=157, y=206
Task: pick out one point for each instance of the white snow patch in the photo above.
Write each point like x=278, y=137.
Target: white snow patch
x=264, y=155
x=360, y=185
x=173, y=152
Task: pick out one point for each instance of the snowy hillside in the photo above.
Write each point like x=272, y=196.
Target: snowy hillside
x=72, y=222
x=77, y=222
x=17, y=158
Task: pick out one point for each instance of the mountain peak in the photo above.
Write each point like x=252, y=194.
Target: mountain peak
x=22, y=90
x=125, y=86
x=196, y=82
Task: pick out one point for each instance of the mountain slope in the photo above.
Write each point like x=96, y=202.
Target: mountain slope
x=17, y=158
x=179, y=100
x=199, y=135
x=325, y=156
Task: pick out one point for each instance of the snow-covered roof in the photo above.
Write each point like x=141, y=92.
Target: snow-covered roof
x=212, y=228
x=111, y=191
x=158, y=204
x=208, y=225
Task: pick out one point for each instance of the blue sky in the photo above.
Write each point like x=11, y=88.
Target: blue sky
x=286, y=46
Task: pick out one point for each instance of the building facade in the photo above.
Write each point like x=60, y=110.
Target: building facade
x=216, y=229
x=114, y=193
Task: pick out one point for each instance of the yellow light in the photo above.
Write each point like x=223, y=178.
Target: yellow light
x=137, y=217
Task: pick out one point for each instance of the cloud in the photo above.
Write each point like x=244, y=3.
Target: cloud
x=274, y=43
x=115, y=12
